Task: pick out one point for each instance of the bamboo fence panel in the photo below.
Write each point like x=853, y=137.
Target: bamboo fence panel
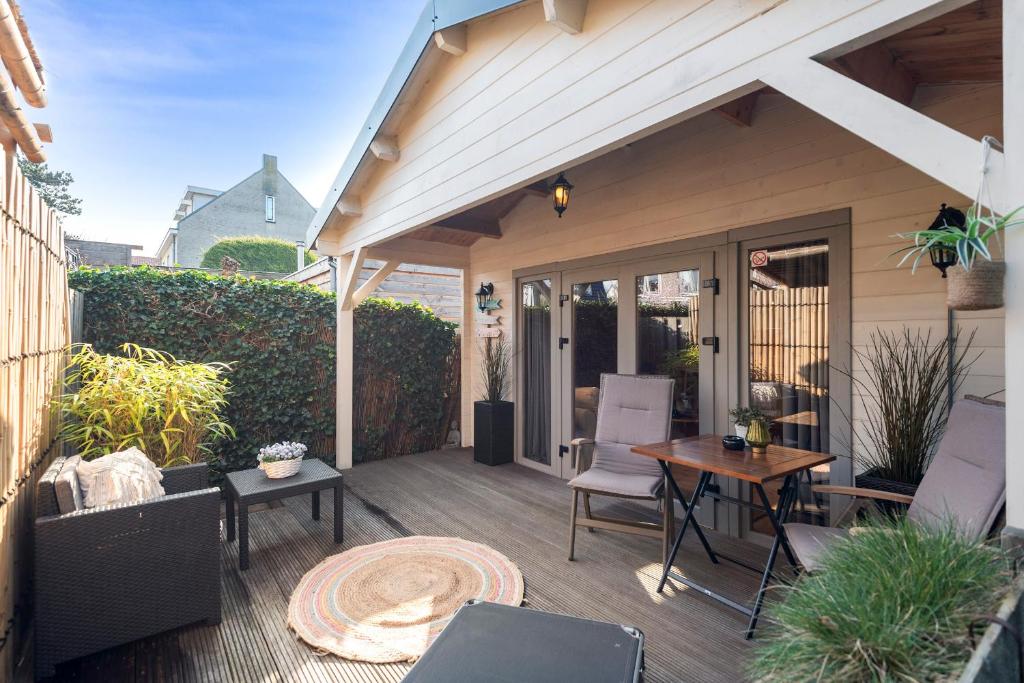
x=789, y=337
x=33, y=342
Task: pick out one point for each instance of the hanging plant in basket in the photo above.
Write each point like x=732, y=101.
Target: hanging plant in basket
x=956, y=239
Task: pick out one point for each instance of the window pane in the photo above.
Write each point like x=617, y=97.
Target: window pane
x=537, y=370
x=667, y=341
x=595, y=348
x=788, y=353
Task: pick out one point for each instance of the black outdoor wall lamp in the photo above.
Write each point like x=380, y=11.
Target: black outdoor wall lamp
x=483, y=296
x=560, y=191
x=948, y=219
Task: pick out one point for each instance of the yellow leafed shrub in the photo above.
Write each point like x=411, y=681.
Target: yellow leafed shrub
x=170, y=409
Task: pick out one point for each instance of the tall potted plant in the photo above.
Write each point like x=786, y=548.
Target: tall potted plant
x=493, y=416
x=903, y=383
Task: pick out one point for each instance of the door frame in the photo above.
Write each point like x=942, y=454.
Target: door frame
x=555, y=466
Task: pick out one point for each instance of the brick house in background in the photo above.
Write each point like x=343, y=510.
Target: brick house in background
x=265, y=205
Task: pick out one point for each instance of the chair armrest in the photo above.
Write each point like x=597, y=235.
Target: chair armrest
x=185, y=478
x=574, y=448
x=858, y=492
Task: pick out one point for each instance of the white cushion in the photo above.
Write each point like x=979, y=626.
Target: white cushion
x=124, y=477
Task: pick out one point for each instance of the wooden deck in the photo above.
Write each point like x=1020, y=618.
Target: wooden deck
x=518, y=511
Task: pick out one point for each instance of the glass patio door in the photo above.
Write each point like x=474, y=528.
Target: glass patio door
x=538, y=432
x=589, y=346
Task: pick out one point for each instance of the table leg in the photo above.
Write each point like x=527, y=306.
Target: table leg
x=243, y=536
x=786, y=500
x=698, y=492
x=339, y=514
x=316, y=506
x=229, y=508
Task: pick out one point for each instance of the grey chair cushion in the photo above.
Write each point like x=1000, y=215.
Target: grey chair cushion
x=67, y=488
x=633, y=485
x=633, y=410
x=809, y=542
x=966, y=481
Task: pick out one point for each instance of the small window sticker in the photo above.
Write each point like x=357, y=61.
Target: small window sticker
x=758, y=258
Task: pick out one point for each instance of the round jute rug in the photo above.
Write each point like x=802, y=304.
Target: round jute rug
x=386, y=602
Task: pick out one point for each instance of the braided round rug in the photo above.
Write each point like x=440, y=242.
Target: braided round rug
x=387, y=602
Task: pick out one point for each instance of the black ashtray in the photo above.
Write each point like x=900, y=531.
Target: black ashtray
x=734, y=443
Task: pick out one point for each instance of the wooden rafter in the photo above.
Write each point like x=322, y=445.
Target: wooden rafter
x=481, y=226
x=876, y=67
x=741, y=110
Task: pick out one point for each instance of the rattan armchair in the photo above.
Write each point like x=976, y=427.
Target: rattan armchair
x=109, y=575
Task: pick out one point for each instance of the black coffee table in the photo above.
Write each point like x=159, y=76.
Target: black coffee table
x=248, y=487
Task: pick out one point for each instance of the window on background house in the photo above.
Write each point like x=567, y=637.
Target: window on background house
x=271, y=209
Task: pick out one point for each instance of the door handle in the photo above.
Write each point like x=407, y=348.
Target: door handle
x=562, y=341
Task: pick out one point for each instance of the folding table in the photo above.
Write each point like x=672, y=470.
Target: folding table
x=706, y=455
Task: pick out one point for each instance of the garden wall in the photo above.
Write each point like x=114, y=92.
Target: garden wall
x=279, y=339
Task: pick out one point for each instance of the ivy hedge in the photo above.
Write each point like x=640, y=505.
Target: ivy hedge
x=279, y=339
x=258, y=254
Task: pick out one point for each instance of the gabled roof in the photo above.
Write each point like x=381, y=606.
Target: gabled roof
x=436, y=15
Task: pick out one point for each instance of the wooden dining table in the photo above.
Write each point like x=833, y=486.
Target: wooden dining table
x=706, y=456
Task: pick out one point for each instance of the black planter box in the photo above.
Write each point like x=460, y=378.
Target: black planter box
x=493, y=432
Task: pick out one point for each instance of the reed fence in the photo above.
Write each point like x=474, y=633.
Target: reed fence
x=34, y=338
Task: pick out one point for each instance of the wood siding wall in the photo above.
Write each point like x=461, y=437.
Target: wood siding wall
x=34, y=336
x=707, y=175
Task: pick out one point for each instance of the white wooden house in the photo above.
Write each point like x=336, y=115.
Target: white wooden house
x=762, y=149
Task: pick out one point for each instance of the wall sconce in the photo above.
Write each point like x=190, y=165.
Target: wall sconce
x=560, y=190
x=948, y=219
x=483, y=296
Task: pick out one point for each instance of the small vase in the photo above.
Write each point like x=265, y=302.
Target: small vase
x=741, y=431
x=758, y=436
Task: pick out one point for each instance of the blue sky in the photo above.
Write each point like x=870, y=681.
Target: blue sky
x=148, y=96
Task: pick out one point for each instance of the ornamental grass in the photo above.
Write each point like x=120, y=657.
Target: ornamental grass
x=891, y=603
x=170, y=409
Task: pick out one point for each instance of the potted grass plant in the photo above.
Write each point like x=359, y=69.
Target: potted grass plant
x=893, y=602
x=902, y=382
x=493, y=416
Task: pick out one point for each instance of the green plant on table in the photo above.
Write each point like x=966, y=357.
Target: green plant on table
x=892, y=603
x=967, y=243
x=170, y=409
x=743, y=416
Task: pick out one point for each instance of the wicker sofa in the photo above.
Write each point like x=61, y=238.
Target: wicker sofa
x=109, y=575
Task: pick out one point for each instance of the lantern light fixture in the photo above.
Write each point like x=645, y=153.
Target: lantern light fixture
x=948, y=219
x=560, y=191
x=483, y=296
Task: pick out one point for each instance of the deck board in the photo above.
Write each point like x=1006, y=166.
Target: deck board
x=516, y=510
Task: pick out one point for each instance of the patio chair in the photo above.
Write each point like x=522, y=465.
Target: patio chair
x=631, y=410
x=965, y=484
x=108, y=575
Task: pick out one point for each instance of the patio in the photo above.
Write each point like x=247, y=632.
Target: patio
x=516, y=510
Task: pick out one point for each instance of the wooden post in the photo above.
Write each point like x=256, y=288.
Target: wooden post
x=1013, y=193
x=349, y=267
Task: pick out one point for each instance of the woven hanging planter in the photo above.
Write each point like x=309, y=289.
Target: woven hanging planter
x=977, y=289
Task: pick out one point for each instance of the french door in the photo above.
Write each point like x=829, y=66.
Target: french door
x=655, y=316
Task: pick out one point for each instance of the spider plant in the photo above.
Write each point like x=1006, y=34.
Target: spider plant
x=968, y=243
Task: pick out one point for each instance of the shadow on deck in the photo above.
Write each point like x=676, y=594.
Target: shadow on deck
x=518, y=511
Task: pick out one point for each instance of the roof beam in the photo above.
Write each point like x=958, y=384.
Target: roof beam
x=479, y=226
x=347, y=286
x=370, y=286
x=349, y=205
x=877, y=68
x=741, y=110
x=452, y=40
x=385, y=148
x=420, y=252
x=933, y=148
x=566, y=14
x=537, y=189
